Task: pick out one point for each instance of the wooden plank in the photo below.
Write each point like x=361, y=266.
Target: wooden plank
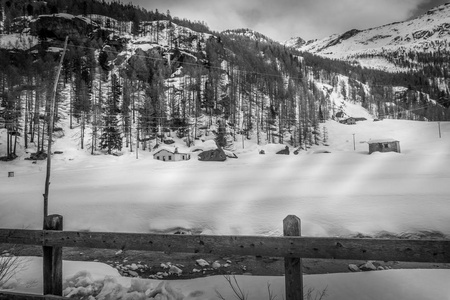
x=22, y=296
x=21, y=236
x=437, y=251
x=293, y=270
x=52, y=259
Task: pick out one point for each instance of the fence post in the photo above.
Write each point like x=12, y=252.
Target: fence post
x=293, y=266
x=52, y=258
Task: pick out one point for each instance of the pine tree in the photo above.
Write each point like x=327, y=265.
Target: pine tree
x=111, y=138
x=316, y=133
x=221, y=139
x=325, y=136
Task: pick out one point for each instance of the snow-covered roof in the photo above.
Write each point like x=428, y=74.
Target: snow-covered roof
x=381, y=141
x=171, y=150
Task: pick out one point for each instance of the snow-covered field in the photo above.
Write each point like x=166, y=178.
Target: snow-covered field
x=82, y=278
x=341, y=193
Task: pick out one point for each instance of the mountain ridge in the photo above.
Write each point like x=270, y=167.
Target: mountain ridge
x=425, y=33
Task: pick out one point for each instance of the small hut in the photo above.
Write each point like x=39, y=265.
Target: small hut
x=167, y=155
x=384, y=145
x=213, y=155
x=348, y=121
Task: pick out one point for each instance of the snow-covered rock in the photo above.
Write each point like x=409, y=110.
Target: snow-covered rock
x=202, y=263
x=368, y=266
x=354, y=268
x=174, y=270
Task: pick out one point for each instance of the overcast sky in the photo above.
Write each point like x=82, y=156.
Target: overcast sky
x=282, y=19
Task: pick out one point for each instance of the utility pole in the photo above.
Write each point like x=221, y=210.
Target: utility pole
x=354, y=144
x=137, y=143
x=440, y=135
x=50, y=131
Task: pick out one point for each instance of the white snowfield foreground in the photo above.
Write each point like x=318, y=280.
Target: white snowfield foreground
x=87, y=278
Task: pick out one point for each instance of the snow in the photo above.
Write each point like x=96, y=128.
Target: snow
x=164, y=36
x=429, y=32
x=84, y=278
x=17, y=41
x=331, y=192
x=335, y=190
x=381, y=141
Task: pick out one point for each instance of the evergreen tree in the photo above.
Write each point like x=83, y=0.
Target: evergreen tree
x=111, y=137
x=221, y=139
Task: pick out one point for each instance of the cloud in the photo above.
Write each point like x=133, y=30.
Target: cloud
x=425, y=6
x=251, y=17
x=282, y=19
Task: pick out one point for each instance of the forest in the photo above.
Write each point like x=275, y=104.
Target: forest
x=130, y=76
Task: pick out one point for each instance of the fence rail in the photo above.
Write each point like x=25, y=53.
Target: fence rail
x=22, y=296
x=291, y=246
x=437, y=251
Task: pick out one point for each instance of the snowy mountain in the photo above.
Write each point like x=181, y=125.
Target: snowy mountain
x=379, y=47
x=295, y=42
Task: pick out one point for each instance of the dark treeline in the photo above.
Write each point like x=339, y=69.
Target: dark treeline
x=113, y=9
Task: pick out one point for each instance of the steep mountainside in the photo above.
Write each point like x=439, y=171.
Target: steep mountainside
x=391, y=47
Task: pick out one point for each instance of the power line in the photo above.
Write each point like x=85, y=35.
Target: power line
x=119, y=115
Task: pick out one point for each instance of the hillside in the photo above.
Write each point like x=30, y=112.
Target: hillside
x=130, y=79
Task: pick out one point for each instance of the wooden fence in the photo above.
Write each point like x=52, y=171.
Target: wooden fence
x=292, y=246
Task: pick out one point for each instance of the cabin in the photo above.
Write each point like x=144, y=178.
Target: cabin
x=167, y=155
x=348, y=121
x=384, y=145
x=213, y=155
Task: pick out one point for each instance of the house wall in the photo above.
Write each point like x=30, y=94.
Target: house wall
x=384, y=147
x=165, y=155
x=182, y=156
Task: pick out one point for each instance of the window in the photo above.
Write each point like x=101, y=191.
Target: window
x=157, y=157
x=385, y=146
x=170, y=157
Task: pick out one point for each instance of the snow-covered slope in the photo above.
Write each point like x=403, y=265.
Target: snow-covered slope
x=429, y=32
x=251, y=34
x=167, y=34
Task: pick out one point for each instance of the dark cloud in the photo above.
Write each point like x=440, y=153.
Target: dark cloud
x=426, y=6
x=282, y=19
